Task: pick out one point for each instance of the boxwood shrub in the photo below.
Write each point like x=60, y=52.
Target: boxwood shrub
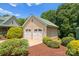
x=14, y=32
x=51, y=42
x=66, y=40
x=14, y=47
x=73, y=48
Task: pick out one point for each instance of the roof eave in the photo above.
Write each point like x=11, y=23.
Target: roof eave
x=52, y=26
x=6, y=25
x=26, y=21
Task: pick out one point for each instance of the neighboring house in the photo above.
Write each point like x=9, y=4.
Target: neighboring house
x=35, y=28
x=6, y=22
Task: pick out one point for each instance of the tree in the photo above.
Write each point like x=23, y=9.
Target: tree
x=66, y=17
x=20, y=21
x=49, y=15
x=68, y=13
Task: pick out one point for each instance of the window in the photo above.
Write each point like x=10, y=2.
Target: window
x=35, y=30
x=39, y=29
x=32, y=20
x=28, y=30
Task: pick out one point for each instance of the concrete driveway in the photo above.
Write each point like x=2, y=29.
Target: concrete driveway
x=34, y=42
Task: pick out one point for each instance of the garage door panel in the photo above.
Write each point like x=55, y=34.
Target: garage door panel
x=28, y=34
x=37, y=34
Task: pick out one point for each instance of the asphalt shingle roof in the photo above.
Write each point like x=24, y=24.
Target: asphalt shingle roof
x=44, y=21
x=48, y=23
x=3, y=19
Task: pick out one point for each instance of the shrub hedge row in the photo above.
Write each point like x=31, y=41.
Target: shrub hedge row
x=51, y=42
x=14, y=47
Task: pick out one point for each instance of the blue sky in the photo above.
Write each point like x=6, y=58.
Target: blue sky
x=23, y=10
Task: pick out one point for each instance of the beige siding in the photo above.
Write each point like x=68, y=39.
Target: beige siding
x=52, y=32
x=34, y=24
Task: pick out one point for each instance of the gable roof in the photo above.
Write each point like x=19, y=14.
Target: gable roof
x=4, y=19
x=44, y=21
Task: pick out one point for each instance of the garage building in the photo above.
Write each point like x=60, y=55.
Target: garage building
x=35, y=28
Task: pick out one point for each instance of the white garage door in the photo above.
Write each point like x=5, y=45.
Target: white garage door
x=28, y=34
x=37, y=34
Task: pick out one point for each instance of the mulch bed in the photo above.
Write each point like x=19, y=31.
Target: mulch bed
x=43, y=50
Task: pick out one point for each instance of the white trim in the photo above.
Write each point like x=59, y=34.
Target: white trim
x=26, y=21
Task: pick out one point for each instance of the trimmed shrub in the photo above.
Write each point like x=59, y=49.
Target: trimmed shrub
x=14, y=32
x=51, y=42
x=46, y=39
x=14, y=47
x=54, y=44
x=66, y=40
x=73, y=48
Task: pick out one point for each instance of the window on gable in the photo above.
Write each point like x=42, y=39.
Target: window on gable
x=32, y=20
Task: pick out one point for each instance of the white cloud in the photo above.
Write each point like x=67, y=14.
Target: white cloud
x=2, y=11
x=17, y=14
x=37, y=3
x=29, y=4
x=13, y=4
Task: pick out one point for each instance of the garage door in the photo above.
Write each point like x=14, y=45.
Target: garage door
x=37, y=34
x=28, y=34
